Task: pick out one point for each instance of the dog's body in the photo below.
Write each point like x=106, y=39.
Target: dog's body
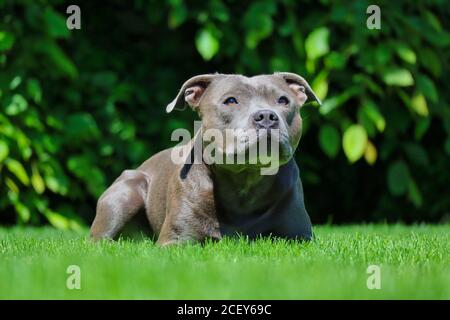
x=196, y=201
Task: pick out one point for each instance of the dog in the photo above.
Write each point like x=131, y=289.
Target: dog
x=195, y=201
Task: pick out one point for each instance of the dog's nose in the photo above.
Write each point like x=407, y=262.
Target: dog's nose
x=265, y=119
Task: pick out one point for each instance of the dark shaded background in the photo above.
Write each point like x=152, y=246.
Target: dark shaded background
x=80, y=106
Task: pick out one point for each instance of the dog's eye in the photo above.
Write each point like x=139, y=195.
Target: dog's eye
x=283, y=100
x=230, y=100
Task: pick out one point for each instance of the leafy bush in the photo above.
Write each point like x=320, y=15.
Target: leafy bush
x=80, y=106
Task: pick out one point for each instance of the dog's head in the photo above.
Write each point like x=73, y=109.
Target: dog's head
x=240, y=106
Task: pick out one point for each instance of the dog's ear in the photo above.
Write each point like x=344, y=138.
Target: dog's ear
x=300, y=87
x=191, y=92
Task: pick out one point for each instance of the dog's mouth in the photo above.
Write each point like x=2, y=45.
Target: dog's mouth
x=262, y=138
x=268, y=141
x=258, y=148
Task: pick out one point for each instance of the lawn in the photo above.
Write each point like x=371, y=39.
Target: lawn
x=414, y=262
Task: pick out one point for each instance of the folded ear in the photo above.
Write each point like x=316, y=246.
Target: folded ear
x=191, y=92
x=300, y=87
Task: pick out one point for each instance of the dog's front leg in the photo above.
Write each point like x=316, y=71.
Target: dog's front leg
x=119, y=203
x=188, y=225
x=190, y=217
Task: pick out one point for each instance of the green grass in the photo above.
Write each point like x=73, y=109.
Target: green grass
x=414, y=265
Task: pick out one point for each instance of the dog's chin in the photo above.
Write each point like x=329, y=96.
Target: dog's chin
x=281, y=153
x=276, y=149
x=250, y=158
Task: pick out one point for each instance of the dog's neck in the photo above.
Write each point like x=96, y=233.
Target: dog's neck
x=247, y=192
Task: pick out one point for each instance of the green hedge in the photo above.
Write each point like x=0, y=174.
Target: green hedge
x=80, y=106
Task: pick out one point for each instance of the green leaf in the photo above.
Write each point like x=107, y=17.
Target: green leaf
x=297, y=41
x=430, y=60
x=336, y=101
x=55, y=178
x=371, y=109
x=354, y=142
x=414, y=194
x=34, y=90
x=56, y=24
x=427, y=87
x=406, y=54
x=370, y=154
x=82, y=167
x=23, y=212
x=330, y=104
x=320, y=85
x=258, y=22
x=398, y=178
x=16, y=168
x=419, y=104
x=207, y=44
x=96, y=185
x=286, y=28
x=255, y=35
x=59, y=58
x=398, y=77
x=57, y=220
x=369, y=83
x=13, y=187
x=316, y=43
x=23, y=142
x=177, y=15
x=4, y=150
x=15, y=82
x=335, y=60
x=421, y=127
x=366, y=122
x=81, y=127
x=279, y=63
x=55, y=185
x=17, y=105
x=36, y=180
x=329, y=140
x=6, y=40
x=219, y=10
